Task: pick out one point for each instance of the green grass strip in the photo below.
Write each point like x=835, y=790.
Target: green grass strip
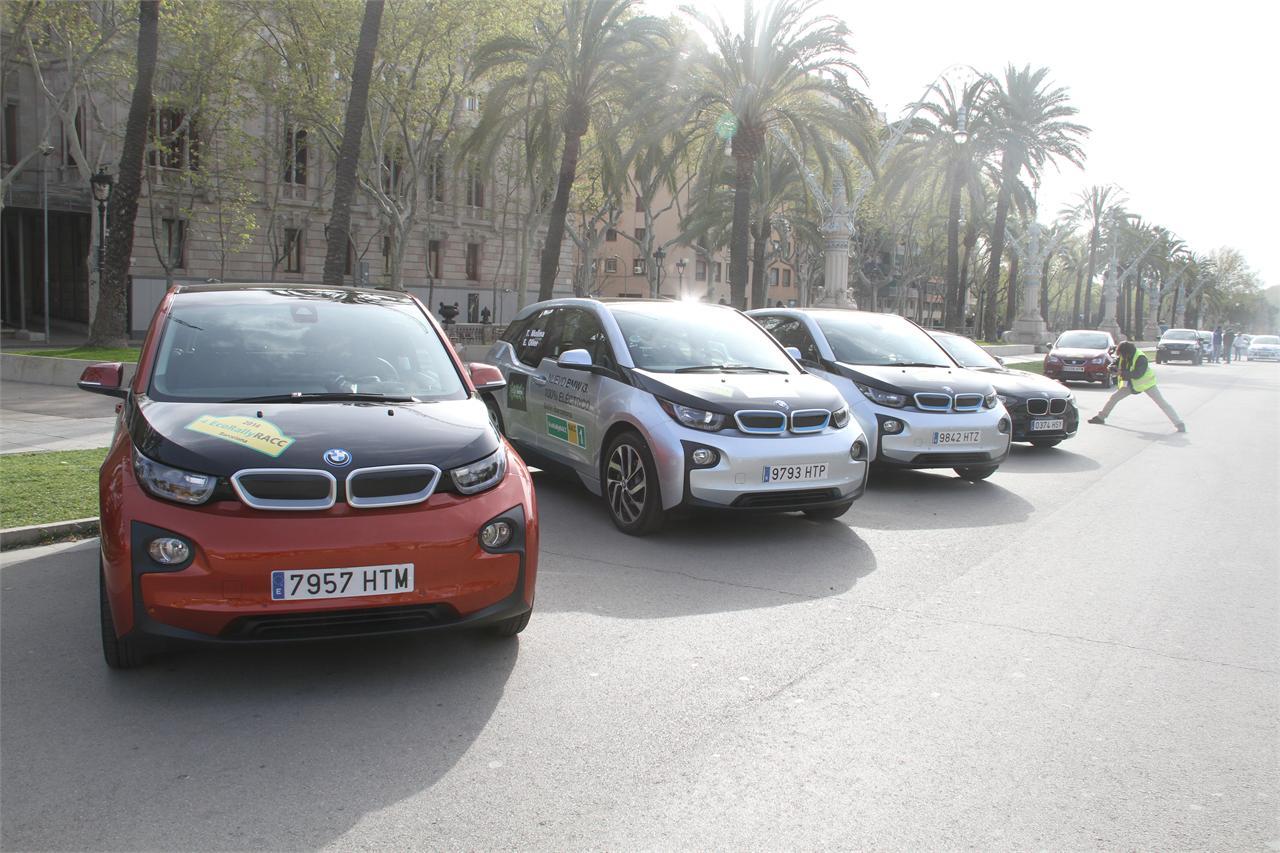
x=83, y=353
x=39, y=488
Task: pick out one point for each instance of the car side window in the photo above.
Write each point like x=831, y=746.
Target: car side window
x=532, y=337
x=511, y=334
x=582, y=330
x=791, y=332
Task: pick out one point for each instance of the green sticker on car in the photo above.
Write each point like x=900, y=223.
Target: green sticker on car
x=570, y=432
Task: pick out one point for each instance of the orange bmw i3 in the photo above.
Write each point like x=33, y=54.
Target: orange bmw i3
x=297, y=463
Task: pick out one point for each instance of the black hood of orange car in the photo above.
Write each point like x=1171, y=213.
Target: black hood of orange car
x=1023, y=383
x=223, y=438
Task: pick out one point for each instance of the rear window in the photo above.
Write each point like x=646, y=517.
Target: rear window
x=230, y=345
x=1180, y=335
x=1265, y=339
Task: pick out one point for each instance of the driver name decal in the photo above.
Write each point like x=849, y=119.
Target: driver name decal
x=570, y=432
x=262, y=436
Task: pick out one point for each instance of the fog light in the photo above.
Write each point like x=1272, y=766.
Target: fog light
x=1003, y=426
x=891, y=427
x=495, y=534
x=168, y=551
x=704, y=456
x=858, y=451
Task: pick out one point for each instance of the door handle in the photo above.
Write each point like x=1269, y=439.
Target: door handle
x=539, y=380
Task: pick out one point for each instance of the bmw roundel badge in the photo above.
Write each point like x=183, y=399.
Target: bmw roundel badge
x=337, y=457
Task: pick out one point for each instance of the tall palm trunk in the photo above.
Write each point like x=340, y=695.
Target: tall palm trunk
x=575, y=127
x=1075, y=305
x=759, y=290
x=1011, y=300
x=1044, y=288
x=344, y=182
x=952, y=309
x=744, y=175
x=1009, y=168
x=970, y=240
x=1088, y=279
x=108, y=328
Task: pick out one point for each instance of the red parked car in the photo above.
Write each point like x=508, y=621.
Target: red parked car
x=1081, y=355
x=294, y=463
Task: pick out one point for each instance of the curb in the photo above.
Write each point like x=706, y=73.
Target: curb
x=50, y=370
x=42, y=534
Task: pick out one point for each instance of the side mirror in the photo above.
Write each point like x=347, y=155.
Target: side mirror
x=485, y=377
x=104, y=378
x=999, y=358
x=575, y=359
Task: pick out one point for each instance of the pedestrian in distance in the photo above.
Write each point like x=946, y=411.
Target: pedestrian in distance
x=1136, y=377
x=1241, y=345
x=1228, y=340
x=1217, y=344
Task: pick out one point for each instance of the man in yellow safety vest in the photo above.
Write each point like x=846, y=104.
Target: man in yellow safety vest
x=1136, y=377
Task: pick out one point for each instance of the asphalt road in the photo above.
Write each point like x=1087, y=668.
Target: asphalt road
x=1078, y=653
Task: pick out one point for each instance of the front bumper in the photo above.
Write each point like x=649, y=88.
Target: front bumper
x=222, y=594
x=1087, y=373
x=1182, y=354
x=916, y=447
x=1022, y=423
x=1263, y=355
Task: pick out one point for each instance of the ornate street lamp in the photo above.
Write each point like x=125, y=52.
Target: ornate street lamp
x=961, y=135
x=101, y=183
x=680, y=267
x=659, y=256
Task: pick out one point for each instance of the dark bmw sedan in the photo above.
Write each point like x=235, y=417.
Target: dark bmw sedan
x=305, y=462
x=1043, y=411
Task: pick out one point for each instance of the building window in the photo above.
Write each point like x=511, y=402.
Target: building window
x=786, y=278
x=473, y=261
x=175, y=243
x=718, y=269
x=392, y=170
x=773, y=277
x=611, y=235
x=292, y=250
x=76, y=135
x=637, y=266
x=433, y=258
x=475, y=189
x=175, y=141
x=639, y=205
x=350, y=263
x=640, y=235
x=386, y=254
x=295, y=156
x=471, y=103
x=11, y=134
x=435, y=178
x=611, y=265
x=699, y=270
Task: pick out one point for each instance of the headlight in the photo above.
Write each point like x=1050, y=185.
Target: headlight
x=173, y=484
x=884, y=398
x=1007, y=399
x=693, y=418
x=478, y=476
x=1102, y=359
x=840, y=417
x=1052, y=359
x=991, y=400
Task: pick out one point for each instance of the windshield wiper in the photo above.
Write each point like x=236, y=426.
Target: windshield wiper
x=726, y=368
x=326, y=397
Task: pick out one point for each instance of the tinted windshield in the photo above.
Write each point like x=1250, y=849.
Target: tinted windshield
x=879, y=339
x=1264, y=339
x=666, y=337
x=1083, y=340
x=1179, y=335
x=966, y=352
x=231, y=345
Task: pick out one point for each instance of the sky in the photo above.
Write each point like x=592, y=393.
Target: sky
x=1180, y=97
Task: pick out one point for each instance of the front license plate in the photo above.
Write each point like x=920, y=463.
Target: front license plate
x=794, y=473
x=341, y=583
x=972, y=436
x=1046, y=424
x=1072, y=368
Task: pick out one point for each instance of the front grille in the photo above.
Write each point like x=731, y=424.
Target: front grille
x=1058, y=406
x=1074, y=362
x=933, y=402
x=285, y=488
x=968, y=402
x=948, y=459
x=391, y=485
x=761, y=422
x=782, y=500
x=338, y=623
x=1037, y=406
x=810, y=420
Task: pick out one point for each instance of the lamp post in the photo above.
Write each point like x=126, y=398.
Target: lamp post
x=45, y=150
x=659, y=256
x=101, y=184
x=680, y=267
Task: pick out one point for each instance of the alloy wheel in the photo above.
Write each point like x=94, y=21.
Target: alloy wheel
x=626, y=484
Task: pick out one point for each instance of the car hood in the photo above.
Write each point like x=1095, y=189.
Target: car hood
x=1075, y=352
x=912, y=380
x=1023, y=383
x=222, y=438
x=727, y=393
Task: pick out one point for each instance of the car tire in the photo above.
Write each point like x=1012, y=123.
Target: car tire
x=974, y=473
x=1159, y=359
x=1045, y=442
x=629, y=479
x=495, y=415
x=510, y=627
x=828, y=513
x=119, y=652
x=1197, y=361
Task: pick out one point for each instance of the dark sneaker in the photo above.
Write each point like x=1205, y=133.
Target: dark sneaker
x=1096, y=419
x=1181, y=427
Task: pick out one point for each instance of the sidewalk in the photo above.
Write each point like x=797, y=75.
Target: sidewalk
x=43, y=417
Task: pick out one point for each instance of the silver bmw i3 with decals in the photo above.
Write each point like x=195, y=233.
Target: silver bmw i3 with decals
x=660, y=405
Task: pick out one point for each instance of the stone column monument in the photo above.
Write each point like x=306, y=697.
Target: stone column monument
x=837, y=228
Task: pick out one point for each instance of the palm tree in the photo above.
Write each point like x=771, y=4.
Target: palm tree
x=108, y=328
x=588, y=54
x=1029, y=121
x=344, y=184
x=787, y=72
x=1095, y=204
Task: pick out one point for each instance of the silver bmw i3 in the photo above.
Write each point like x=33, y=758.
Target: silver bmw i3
x=660, y=405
